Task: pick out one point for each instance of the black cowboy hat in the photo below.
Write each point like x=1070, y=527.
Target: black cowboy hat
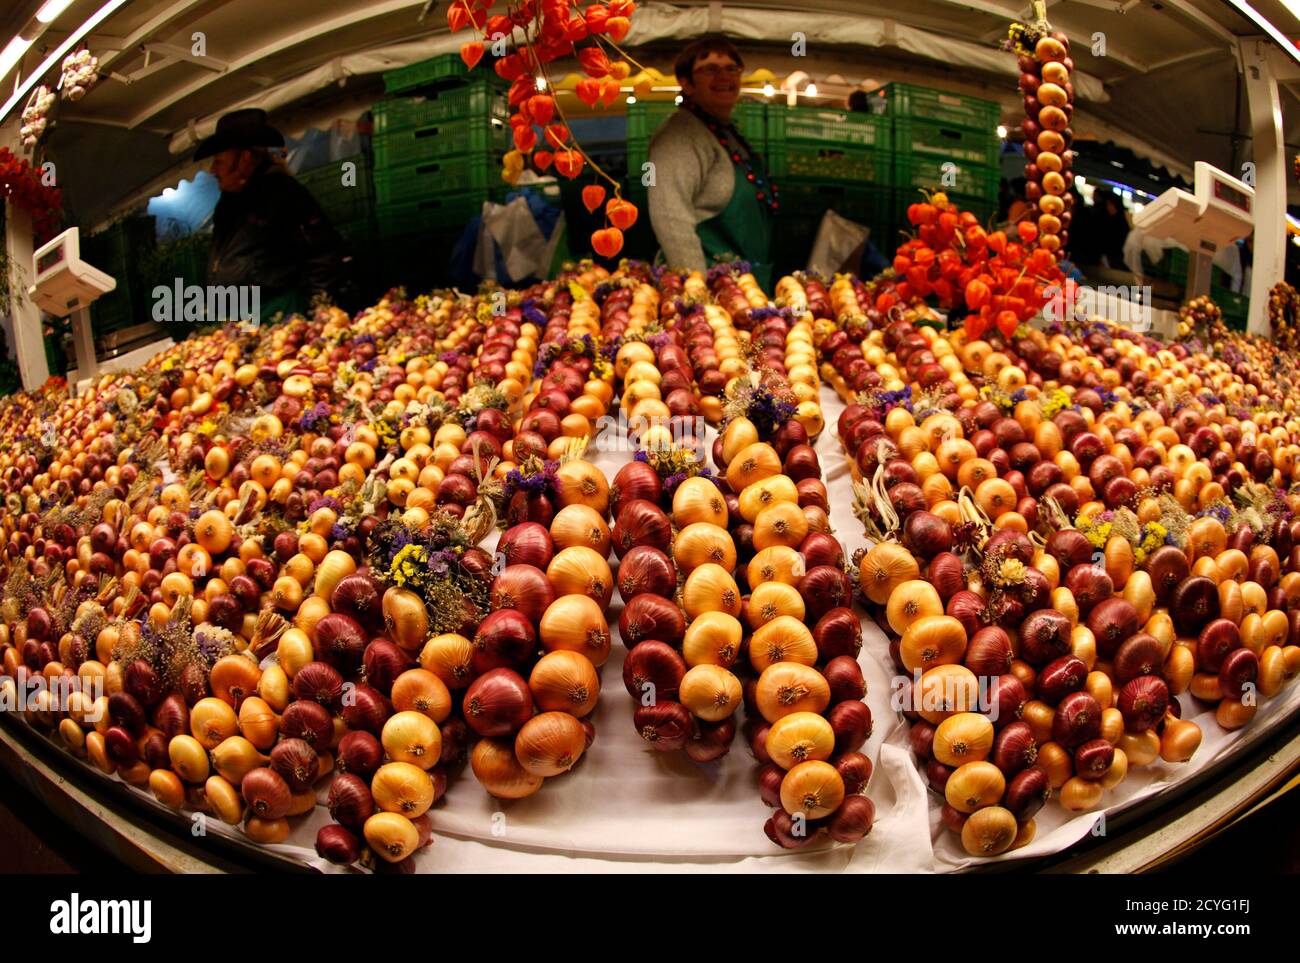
x=247, y=127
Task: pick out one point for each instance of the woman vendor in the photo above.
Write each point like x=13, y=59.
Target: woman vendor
x=711, y=199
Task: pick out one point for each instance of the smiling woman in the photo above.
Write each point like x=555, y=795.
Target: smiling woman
x=712, y=197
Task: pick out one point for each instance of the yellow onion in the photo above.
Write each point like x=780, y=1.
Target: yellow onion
x=697, y=501
x=710, y=588
x=550, y=743
x=772, y=600
x=710, y=692
x=783, y=639
x=449, y=657
x=576, y=623
x=787, y=687
x=579, y=570
x=800, y=737
x=813, y=788
x=712, y=639
x=405, y=618
x=400, y=787
x=499, y=772
x=701, y=543
x=565, y=681
x=412, y=737
x=392, y=836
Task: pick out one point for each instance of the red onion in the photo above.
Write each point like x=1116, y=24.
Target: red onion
x=635, y=480
x=498, y=703
x=1093, y=759
x=319, y=682
x=140, y=679
x=1111, y=621
x=1216, y=640
x=645, y=569
x=337, y=845
x=652, y=671
x=340, y=642
x=1059, y=678
x=1077, y=720
x=125, y=710
x=523, y=587
x=852, y=820
x=824, y=588
x=360, y=754
x=651, y=617
x=641, y=522
x=855, y=769
x=711, y=740
x=350, y=802
x=769, y=784
x=783, y=831
x=852, y=724
x=365, y=708
x=819, y=548
x=504, y=639
x=1026, y=793
x=358, y=595
x=1142, y=702
x=172, y=715
x=845, y=678
x=989, y=652
x=1239, y=669
x=308, y=721
x=967, y=608
x=384, y=662
x=527, y=544
x=121, y=746
x=665, y=725
x=1045, y=635
x=296, y=762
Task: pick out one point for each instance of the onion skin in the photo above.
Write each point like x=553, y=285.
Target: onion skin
x=852, y=820
x=498, y=703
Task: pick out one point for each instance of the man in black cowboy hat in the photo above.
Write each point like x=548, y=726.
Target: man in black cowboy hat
x=267, y=228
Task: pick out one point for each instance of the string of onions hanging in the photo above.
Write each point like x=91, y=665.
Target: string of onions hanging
x=536, y=657
x=806, y=721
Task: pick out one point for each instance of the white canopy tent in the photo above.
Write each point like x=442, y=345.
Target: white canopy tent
x=1174, y=81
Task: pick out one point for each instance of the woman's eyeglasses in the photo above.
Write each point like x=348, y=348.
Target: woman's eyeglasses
x=719, y=70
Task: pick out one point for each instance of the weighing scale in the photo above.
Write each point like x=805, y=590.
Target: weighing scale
x=1220, y=210
x=66, y=285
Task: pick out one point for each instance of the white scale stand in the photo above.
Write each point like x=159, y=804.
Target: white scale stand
x=66, y=285
x=1221, y=210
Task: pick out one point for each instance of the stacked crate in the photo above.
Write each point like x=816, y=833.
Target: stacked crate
x=345, y=191
x=437, y=152
x=945, y=142
x=825, y=159
x=119, y=250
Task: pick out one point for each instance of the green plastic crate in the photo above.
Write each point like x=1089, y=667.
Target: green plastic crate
x=787, y=159
x=865, y=203
x=342, y=203
x=437, y=176
x=910, y=100
x=1235, y=307
x=912, y=171
x=644, y=118
x=838, y=128
x=467, y=135
x=439, y=69
x=962, y=145
x=444, y=215
x=479, y=99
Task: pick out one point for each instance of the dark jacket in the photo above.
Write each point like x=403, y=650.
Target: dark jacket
x=274, y=234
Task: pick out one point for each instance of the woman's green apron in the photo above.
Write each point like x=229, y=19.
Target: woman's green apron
x=742, y=229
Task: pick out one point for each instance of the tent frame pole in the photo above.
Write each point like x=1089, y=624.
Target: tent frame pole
x=1269, y=259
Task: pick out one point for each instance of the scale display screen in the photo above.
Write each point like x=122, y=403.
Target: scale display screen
x=1230, y=195
x=49, y=259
